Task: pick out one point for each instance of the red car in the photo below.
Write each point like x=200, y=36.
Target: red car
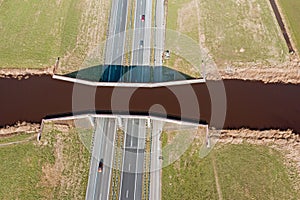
x=143, y=18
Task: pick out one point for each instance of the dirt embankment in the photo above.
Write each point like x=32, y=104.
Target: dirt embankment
x=288, y=72
x=19, y=128
x=286, y=142
x=24, y=73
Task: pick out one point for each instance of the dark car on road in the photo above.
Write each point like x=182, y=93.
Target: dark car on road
x=100, y=167
x=143, y=18
x=141, y=43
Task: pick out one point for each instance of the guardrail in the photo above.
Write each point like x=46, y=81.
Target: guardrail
x=126, y=84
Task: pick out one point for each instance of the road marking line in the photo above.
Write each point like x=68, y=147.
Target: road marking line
x=110, y=164
x=123, y=157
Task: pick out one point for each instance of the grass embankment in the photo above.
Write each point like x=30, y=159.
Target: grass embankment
x=55, y=168
x=15, y=138
x=243, y=172
x=290, y=9
x=34, y=33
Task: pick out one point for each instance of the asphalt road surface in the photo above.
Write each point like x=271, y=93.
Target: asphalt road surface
x=156, y=162
x=99, y=182
x=159, y=39
x=116, y=40
x=141, y=40
x=133, y=160
x=135, y=129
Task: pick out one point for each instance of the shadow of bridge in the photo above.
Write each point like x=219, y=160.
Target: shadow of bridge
x=129, y=74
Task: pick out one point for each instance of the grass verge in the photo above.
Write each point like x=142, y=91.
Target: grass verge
x=15, y=138
x=244, y=171
x=290, y=10
x=181, y=17
x=55, y=168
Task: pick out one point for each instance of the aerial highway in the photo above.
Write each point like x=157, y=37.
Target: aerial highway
x=98, y=183
x=132, y=181
x=133, y=160
x=159, y=40
x=156, y=160
x=115, y=44
x=141, y=40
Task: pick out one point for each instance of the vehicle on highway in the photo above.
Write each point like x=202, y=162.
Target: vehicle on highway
x=100, y=167
x=143, y=18
x=141, y=43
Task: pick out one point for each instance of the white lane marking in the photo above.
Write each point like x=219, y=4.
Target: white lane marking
x=129, y=167
x=123, y=155
x=127, y=193
x=136, y=164
x=110, y=59
x=110, y=164
x=124, y=34
x=133, y=52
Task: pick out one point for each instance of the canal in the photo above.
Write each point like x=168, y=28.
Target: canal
x=249, y=104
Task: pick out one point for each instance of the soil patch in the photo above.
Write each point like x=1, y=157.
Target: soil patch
x=288, y=72
x=19, y=128
x=24, y=73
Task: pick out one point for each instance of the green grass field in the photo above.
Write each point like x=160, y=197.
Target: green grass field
x=182, y=17
x=235, y=33
x=290, y=10
x=21, y=170
x=56, y=168
x=244, y=172
x=34, y=33
x=178, y=20
x=14, y=138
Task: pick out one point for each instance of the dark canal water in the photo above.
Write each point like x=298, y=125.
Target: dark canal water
x=249, y=104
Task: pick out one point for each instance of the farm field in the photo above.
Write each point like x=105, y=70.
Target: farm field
x=34, y=33
x=55, y=168
x=234, y=33
x=240, y=171
x=290, y=11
